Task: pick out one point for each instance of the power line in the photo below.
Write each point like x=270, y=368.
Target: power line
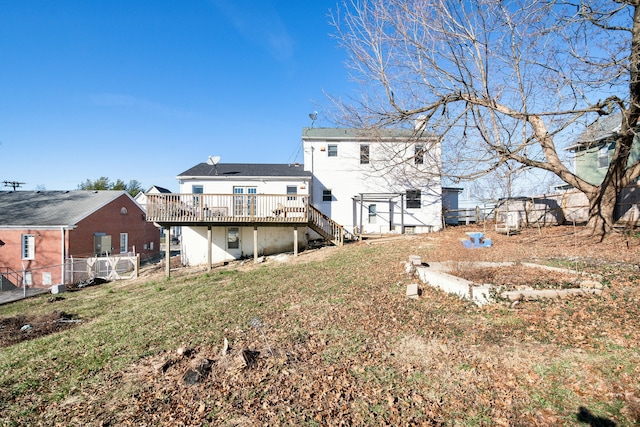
x=13, y=184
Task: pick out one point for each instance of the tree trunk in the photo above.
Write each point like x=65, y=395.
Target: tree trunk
x=602, y=204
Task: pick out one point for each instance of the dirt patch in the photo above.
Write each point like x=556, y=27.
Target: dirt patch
x=517, y=277
x=22, y=328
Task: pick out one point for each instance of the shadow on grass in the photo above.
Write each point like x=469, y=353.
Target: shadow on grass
x=585, y=416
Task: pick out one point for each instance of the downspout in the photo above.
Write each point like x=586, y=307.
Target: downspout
x=62, y=252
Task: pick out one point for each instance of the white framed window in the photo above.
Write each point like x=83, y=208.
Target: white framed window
x=28, y=246
x=27, y=278
x=196, y=190
x=414, y=199
x=603, y=157
x=419, y=154
x=332, y=150
x=47, y=279
x=124, y=242
x=364, y=154
x=372, y=214
x=292, y=191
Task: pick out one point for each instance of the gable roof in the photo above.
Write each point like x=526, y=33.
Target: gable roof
x=597, y=132
x=160, y=190
x=51, y=208
x=253, y=170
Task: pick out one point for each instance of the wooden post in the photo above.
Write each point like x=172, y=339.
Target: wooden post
x=255, y=243
x=295, y=241
x=167, y=252
x=209, y=244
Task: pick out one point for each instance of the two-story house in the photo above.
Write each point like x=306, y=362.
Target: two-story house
x=352, y=183
x=376, y=181
x=593, y=149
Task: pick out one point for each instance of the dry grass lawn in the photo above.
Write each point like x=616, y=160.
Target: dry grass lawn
x=329, y=338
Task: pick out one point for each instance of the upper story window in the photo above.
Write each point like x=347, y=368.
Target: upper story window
x=28, y=246
x=332, y=150
x=326, y=195
x=603, y=157
x=419, y=154
x=292, y=190
x=414, y=199
x=364, y=154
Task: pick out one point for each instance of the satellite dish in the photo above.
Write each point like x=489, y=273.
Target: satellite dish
x=213, y=160
x=313, y=116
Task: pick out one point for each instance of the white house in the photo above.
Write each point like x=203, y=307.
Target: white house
x=352, y=183
x=259, y=207
x=375, y=181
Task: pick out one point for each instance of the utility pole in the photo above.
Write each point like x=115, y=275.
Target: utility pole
x=13, y=184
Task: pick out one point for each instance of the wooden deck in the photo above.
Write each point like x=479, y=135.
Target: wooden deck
x=227, y=209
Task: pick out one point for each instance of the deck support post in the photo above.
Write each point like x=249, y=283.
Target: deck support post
x=295, y=241
x=209, y=244
x=167, y=251
x=255, y=244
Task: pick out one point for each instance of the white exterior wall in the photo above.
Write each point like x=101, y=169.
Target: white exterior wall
x=346, y=177
x=263, y=185
x=271, y=240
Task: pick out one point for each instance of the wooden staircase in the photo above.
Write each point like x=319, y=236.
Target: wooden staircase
x=326, y=227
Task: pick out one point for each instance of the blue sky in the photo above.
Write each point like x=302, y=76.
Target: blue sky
x=147, y=89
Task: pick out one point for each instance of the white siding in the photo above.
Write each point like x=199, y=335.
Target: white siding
x=347, y=178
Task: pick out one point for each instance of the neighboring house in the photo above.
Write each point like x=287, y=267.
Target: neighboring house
x=42, y=229
x=141, y=199
x=594, y=148
x=375, y=181
x=347, y=186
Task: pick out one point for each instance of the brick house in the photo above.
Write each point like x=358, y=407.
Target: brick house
x=42, y=229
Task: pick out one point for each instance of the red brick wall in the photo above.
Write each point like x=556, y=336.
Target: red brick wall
x=48, y=254
x=79, y=241
x=111, y=221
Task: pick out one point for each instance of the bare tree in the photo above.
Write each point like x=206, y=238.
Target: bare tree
x=500, y=81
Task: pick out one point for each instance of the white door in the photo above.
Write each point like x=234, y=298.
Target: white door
x=234, y=243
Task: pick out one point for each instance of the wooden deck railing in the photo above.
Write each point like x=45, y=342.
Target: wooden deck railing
x=226, y=208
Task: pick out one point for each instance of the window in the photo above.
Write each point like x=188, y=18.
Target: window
x=47, y=279
x=244, y=205
x=419, y=154
x=27, y=278
x=197, y=189
x=603, y=157
x=413, y=199
x=28, y=246
x=233, y=238
x=292, y=190
x=124, y=242
x=372, y=214
x=326, y=196
x=364, y=154
x=332, y=150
